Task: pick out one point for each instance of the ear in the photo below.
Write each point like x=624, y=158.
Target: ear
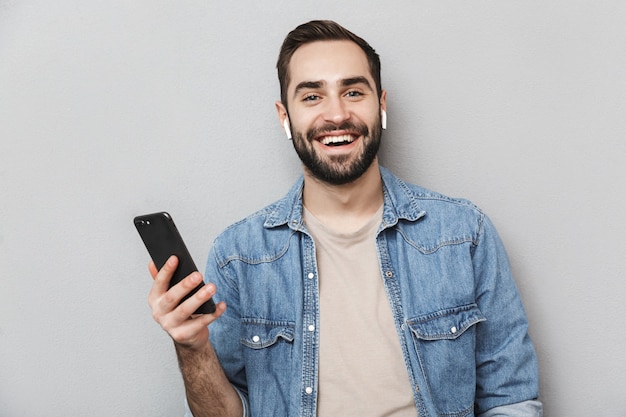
x=383, y=100
x=383, y=109
x=283, y=118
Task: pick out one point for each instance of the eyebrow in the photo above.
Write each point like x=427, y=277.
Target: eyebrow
x=308, y=85
x=355, y=80
x=346, y=82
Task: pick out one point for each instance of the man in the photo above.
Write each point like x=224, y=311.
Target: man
x=357, y=294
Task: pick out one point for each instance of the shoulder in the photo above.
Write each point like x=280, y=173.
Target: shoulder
x=411, y=199
x=262, y=234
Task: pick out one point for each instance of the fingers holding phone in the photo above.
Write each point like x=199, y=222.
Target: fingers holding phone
x=176, y=318
x=166, y=298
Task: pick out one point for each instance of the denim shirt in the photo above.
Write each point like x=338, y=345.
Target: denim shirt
x=457, y=312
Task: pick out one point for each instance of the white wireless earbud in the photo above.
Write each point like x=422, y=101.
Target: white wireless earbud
x=287, y=129
x=383, y=119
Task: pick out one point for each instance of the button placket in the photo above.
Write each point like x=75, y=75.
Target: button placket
x=310, y=306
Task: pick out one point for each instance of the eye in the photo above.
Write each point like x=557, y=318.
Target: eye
x=354, y=94
x=311, y=97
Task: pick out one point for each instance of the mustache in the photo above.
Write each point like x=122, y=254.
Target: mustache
x=360, y=128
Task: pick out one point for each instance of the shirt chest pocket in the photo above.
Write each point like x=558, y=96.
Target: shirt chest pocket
x=445, y=342
x=446, y=324
x=260, y=334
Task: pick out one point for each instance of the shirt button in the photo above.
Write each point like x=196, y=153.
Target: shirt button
x=256, y=339
x=309, y=390
x=311, y=275
x=311, y=328
x=453, y=329
x=389, y=274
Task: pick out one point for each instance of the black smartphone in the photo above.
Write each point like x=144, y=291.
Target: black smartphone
x=162, y=239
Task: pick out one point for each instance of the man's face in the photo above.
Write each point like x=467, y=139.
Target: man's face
x=334, y=110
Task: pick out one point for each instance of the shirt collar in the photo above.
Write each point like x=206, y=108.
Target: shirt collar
x=400, y=202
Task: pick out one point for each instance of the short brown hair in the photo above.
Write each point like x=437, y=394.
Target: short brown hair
x=321, y=30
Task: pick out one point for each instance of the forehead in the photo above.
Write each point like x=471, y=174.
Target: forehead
x=328, y=61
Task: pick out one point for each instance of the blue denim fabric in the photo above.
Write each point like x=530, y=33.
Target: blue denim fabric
x=457, y=312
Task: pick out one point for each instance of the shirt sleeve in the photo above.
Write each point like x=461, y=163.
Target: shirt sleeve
x=506, y=362
x=530, y=408
x=225, y=332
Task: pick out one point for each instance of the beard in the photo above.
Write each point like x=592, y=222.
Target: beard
x=338, y=169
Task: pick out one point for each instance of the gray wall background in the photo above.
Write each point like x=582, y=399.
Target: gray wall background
x=109, y=109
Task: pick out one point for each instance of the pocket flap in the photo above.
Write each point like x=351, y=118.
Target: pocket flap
x=446, y=324
x=258, y=333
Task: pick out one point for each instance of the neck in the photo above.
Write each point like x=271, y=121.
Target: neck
x=344, y=207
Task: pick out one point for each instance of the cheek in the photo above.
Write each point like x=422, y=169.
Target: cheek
x=374, y=115
x=304, y=123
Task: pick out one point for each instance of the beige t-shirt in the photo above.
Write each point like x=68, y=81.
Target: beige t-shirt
x=361, y=367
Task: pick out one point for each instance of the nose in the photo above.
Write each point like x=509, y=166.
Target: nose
x=336, y=111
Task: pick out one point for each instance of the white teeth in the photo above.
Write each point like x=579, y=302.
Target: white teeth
x=337, y=139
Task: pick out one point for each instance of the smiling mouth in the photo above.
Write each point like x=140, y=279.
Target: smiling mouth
x=337, y=140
